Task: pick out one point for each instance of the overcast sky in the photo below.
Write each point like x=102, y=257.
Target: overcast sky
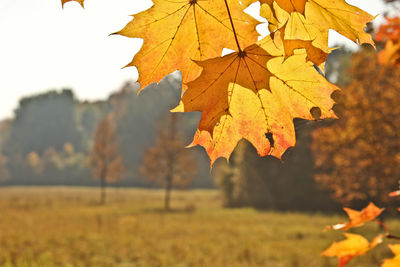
x=45, y=47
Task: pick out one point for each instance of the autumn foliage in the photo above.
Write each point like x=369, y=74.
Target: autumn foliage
x=256, y=91
x=389, y=34
x=357, y=157
x=364, y=146
x=167, y=162
x=356, y=245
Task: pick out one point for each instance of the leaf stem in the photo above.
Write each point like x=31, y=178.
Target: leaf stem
x=388, y=234
x=233, y=27
x=383, y=226
x=393, y=237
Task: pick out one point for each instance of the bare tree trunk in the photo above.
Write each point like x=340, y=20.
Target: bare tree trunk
x=168, y=187
x=102, y=190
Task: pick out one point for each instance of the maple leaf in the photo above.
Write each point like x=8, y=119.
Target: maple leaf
x=255, y=94
x=311, y=20
x=79, y=1
x=358, y=218
x=394, y=262
x=177, y=32
x=353, y=246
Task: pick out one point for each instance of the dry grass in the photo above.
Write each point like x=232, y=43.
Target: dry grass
x=66, y=227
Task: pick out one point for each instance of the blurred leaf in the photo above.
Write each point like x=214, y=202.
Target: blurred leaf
x=353, y=246
x=358, y=218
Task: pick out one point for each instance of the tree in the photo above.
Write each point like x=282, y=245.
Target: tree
x=168, y=163
x=357, y=157
x=105, y=160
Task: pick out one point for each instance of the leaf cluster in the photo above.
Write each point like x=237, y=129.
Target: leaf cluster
x=356, y=245
x=255, y=92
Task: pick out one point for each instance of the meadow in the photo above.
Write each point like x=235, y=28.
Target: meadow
x=57, y=226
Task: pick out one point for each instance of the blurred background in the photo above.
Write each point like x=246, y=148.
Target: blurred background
x=93, y=174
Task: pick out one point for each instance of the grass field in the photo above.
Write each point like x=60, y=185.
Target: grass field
x=66, y=227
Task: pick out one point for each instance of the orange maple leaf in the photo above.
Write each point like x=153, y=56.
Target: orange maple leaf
x=79, y=1
x=255, y=94
x=353, y=246
x=177, y=32
x=358, y=218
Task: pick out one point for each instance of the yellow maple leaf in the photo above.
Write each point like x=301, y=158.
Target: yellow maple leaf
x=79, y=1
x=177, y=32
x=255, y=94
x=311, y=20
x=354, y=245
x=394, y=262
x=358, y=218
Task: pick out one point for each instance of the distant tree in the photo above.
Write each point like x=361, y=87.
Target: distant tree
x=105, y=160
x=168, y=163
x=34, y=162
x=240, y=181
x=69, y=149
x=357, y=157
x=4, y=173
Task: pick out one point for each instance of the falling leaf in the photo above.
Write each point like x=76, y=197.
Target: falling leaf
x=253, y=94
x=358, y=218
x=177, y=32
x=353, y=246
x=394, y=262
x=79, y=1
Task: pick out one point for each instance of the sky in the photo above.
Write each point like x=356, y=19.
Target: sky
x=43, y=47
